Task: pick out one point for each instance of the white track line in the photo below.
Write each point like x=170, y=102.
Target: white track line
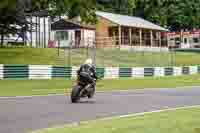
x=22, y=97
x=150, y=112
x=118, y=117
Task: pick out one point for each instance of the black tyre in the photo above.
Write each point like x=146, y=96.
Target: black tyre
x=91, y=94
x=75, y=94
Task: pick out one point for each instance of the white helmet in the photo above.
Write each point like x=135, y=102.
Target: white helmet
x=88, y=61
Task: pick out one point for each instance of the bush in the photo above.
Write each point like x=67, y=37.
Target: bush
x=197, y=50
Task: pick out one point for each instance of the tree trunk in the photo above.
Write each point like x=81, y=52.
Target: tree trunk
x=44, y=20
x=31, y=32
x=24, y=40
x=2, y=38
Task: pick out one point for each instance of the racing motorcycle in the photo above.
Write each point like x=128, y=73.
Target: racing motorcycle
x=84, y=87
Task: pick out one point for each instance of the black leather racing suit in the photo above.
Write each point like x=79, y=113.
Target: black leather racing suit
x=92, y=72
x=88, y=68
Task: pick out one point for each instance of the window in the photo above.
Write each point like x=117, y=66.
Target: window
x=185, y=40
x=196, y=40
x=177, y=40
x=61, y=35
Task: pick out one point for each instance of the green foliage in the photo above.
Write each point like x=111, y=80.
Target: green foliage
x=38, y=5
x=173, y=14
x=10, y=16
x=13, y=12
x=83, y=8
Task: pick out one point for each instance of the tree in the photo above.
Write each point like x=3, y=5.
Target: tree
x=13, y=12
x=173, y=14
x=6, y=11
x=12, y=17
x=73, y=8
x=125, y=7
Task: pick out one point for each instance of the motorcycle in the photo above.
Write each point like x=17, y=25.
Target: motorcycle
x=84, y=87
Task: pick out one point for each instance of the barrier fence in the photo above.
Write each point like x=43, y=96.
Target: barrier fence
x=49, y=72
x=107, y=51
x=124, y=57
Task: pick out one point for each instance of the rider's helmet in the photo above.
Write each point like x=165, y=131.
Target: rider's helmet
x=88, y=61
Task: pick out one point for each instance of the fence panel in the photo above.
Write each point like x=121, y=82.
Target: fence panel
x=107, y=52
x=1, y=71
x=15, y=71
x=125, y=72
x=61, y=72
x=49, y=72
x=40, y=72
x=169, y=71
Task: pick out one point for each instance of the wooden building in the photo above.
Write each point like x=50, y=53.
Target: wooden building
x=111, y=30
x=114, y=30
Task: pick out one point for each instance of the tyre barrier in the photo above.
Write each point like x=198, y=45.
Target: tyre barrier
x=49, y=72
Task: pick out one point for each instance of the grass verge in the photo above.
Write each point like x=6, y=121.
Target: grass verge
x=104, y=57
x=177, y=121
x=59, y=86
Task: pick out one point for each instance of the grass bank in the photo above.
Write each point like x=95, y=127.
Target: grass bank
x=104, y=57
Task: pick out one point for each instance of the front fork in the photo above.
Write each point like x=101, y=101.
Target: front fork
x=86, y=88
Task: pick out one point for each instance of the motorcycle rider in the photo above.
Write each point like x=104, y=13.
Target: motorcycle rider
x=89, y=68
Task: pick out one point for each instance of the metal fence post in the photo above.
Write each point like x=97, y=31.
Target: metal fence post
x=69, y=56
x=94, y=54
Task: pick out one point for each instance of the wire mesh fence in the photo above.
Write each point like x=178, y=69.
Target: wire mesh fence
x=109, y=52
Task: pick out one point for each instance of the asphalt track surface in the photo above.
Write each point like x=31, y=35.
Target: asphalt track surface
x=21, y=115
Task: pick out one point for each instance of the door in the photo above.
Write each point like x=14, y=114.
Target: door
x=77, y=38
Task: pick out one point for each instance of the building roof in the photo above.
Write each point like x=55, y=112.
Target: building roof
x=41, y=13
x=64, y=24
x=129, y=21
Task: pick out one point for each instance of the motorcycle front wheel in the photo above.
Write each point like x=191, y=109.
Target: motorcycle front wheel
x=75, y=94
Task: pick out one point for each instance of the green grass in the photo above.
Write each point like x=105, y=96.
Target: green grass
x=104, y=57
x=59, y=86
x=179, y=121
x=27, y=56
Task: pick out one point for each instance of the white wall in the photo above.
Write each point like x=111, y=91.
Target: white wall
x=88, y=37
x=40, y=33
x=144, y=48
x=191, y=41
x=40, y=72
